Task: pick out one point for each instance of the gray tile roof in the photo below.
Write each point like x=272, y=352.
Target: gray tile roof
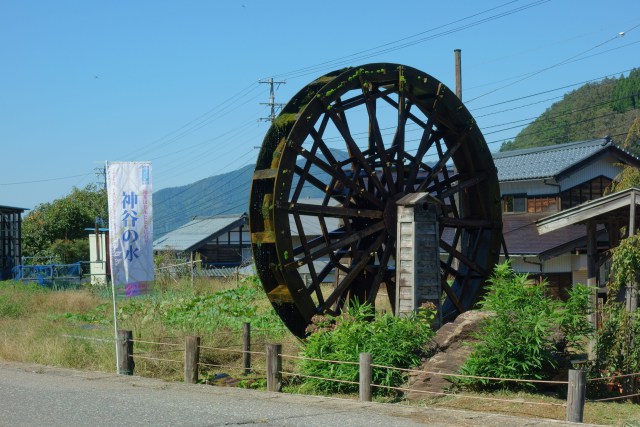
x=545, y=162
x=197, y=231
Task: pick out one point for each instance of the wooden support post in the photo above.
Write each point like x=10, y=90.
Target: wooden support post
x=191, y=359
x=191, y=264
x=365, y=377
x=246, y=347
x=592, y=249
x=593, y=315
x=631, y=296
x=576, y=393
x=125, y=353
x=274, y=367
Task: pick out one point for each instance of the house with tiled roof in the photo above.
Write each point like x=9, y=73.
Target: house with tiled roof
x=538, y=182
x=220, y=241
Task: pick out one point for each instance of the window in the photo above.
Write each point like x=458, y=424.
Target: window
x=514, y=203
x=542, y=204
x=590, y=190
x=531, y=204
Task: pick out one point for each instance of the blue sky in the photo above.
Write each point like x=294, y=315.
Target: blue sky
x=83, y=82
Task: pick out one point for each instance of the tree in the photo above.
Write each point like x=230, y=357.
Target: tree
x=58, y=228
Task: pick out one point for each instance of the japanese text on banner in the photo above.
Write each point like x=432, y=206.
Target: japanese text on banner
x=130, y=226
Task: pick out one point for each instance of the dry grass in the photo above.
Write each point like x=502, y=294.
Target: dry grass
x=538, y=406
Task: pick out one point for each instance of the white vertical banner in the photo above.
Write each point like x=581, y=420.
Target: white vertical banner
x=130, y=227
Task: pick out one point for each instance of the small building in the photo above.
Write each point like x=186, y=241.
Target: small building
x=99, y=266
x=542, y=181
x=10, y=240
x=220, y=241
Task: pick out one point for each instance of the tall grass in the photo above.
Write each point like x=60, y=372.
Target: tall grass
x=74, y=328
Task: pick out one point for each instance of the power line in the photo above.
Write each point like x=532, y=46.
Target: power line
x=404, y=42
x=46, y=179
x=565, y=61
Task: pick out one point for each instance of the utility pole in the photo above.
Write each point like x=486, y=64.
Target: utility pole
x=272, y=99
x=456, y=54
x=101, y=175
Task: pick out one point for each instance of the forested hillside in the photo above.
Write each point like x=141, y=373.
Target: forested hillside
x=592, y=111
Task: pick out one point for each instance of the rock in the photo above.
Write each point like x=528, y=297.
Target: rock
x=452, y=344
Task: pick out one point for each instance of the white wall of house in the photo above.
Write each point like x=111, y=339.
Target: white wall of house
x=566, y=263
x=606, y=166
x=532, y=187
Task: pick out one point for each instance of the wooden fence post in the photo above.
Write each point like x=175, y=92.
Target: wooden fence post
x=365, y=377
x=576, y=393
x=246, y=347
x=191, y=359
x=274, y=367
x=125, y=353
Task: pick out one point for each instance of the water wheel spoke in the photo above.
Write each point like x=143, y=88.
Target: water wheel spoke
x=304, y=172
x=449, y=292
x=354, y=151
x=318, y=139
x=463, y=185
x=339, y=244
x=333, y=211
x=399, y=139
x=376, y=138
x=464, y=223
x=305, y=247
x=343, y=105
x=354, y=272
x=339, y=176
x=411, y=116
x=381, y=271
x=429, y=137
x=463, y=258
x=441, y=163
x=305, y=177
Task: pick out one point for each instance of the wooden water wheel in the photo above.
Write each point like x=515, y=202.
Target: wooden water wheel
x=330, y=171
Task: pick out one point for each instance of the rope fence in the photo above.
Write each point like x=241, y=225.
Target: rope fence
x=467, y=396
x=273, y=358
x=335, y=380
x=444, y=374
x=606, y=399
x=614, y=377
x=159, y=359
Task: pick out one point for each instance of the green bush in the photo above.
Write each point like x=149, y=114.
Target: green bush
x=392, y=341
x=616, y=351
x=527, y=333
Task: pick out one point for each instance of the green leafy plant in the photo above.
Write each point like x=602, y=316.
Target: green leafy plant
x=183, y=312
x=526, y=331
x=392, y=341
x=625, y=263
x=617, y=349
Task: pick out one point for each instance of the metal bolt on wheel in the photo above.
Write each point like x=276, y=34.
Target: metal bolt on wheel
x=358, y=140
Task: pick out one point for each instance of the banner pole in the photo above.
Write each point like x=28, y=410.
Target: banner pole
x=115, y=324
x=113, y=284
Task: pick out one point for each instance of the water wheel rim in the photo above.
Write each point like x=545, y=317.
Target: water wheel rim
x=474, y=226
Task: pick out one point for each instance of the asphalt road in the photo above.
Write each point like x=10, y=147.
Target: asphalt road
x=34, y=395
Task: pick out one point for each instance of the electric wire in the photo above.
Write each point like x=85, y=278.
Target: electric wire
x=563, y=62
x=403, y=43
